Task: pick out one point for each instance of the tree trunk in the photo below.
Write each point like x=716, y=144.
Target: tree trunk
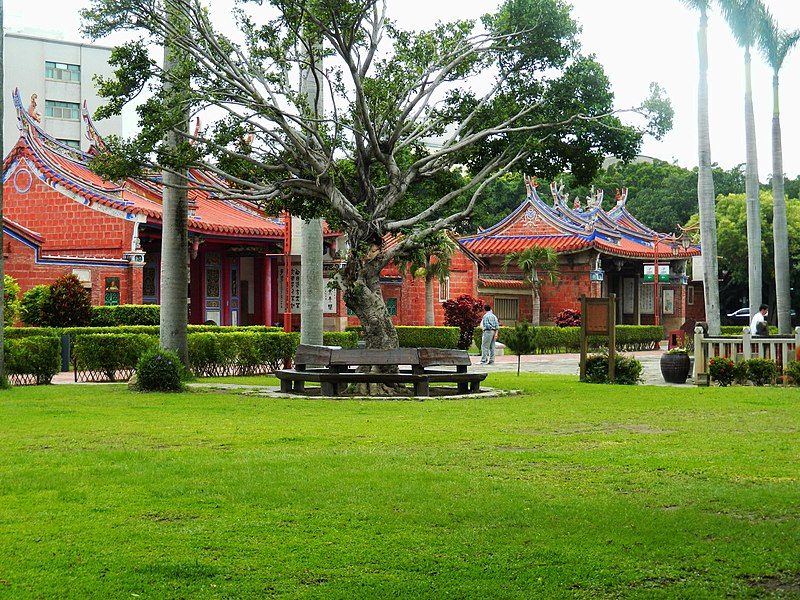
x=429, y=320
x=312, y=291
x=752, y=193
x=705, y=188
x=780, y=230
x=174, y=243
x=536, y=303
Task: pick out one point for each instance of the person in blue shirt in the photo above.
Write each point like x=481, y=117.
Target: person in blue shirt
x=490, y=325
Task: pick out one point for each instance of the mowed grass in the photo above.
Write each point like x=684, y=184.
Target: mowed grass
x=567, y=491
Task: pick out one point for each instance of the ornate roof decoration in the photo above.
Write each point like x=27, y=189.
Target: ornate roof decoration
x=570, y=227
x=67, y=170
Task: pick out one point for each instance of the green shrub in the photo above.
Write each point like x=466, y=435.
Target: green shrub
x=627, y=370
x=125, y=314
x=760, y=371
x=11, y=301
x=344, y=339
x=159, y=370
x=548, y=339
x=520, y=340
x=31, y=305
x=21, y=332
x=34, y=359
x=722, y=370
x=109, y=355
x=239, y=352
x=67, y=303
x=792, y=372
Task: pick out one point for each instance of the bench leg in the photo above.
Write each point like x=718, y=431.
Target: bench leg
x=328, y=388
x=286, y=385
x=463, y=387
x=421, y=388
x=474, y=386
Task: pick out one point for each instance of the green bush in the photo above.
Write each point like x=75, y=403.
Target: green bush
x=125, y=314
x=760, y=371
x=109, y=355
x=520, y=340
x=34, y=359
x=627, y=370
x=159, y=370
x=31, y=305
x=21, y=332
x=344, y=339
x=239, y=352
x=548, y=339
x=792, y=372
x=67, y=304
x=11, y=301
x=722, y=370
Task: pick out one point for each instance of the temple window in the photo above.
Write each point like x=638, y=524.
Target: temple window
x=62, y=71
x=507, y=309
x=56, y=109
x=444, y=290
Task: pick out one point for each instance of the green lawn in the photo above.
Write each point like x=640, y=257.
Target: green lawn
x=568, y=491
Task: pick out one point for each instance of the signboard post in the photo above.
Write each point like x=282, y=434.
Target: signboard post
x=598, y=317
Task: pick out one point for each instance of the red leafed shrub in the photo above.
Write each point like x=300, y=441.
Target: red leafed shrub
x=67, y=304
x=465, y=312
x=569, y=317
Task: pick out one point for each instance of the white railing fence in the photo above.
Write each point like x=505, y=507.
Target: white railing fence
x=781, y=349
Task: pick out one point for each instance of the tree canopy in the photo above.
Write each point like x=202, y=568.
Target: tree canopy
x=403, y=108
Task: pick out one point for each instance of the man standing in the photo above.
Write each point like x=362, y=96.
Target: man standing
x=490, y=325
x=758, y=326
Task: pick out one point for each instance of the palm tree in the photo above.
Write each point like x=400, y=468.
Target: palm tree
x=530, y=261
x=775, y=45
x=432, y=261
x=742, y=17
x=705, y=181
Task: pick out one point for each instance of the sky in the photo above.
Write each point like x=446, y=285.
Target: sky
x=637, y=42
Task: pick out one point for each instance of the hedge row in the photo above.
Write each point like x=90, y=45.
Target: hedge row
x=548, y=339
x=126, y=314
x=421, y=337
x=110, y=357
x=32, y=360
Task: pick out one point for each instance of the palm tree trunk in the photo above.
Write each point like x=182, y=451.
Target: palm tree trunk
x=705, y=187
x=752, y=193
x=429, y=321
x=174, y=237
x=779, y=224
x=311, y=282
x=536, y=308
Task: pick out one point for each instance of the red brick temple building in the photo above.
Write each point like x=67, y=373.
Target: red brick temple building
x=60, y=217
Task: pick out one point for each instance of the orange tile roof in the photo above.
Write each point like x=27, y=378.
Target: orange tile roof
x=508, y=284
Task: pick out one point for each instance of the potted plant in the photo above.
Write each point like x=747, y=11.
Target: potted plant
x=675, y=365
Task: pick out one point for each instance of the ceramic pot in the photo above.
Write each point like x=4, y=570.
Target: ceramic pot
x=675, y=367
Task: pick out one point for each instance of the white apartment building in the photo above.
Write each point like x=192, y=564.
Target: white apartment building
x=61, y=74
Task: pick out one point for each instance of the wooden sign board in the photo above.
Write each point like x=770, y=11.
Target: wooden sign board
x=598, y=317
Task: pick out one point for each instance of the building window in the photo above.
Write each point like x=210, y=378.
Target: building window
x=690, y=294
x=71, y=143
x=444, y=289
x=391, y=307
x=71, y=111
x=62, y=71
x=507, y=309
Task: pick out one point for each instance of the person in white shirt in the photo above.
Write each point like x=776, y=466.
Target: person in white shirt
x=490, y=325
x=758, y=326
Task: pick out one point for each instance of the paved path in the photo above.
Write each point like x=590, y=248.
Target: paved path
x=557, y=364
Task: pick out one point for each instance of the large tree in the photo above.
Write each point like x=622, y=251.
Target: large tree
x=513, y=92
x=705, y=181
x=775, y=45
x=742, y=17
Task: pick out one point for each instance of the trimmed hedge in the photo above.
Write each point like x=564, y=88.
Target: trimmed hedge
x=32, y=360
x=15, y=333
x=109, y=356
x=422, y=337
x=548, y=339
x=125, y=314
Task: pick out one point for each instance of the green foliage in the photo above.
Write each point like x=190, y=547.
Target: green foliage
x=67, y=304
x=344, y=339
x=159, y=370
x=627, y=370
x=520, y=340
x=31, y=305
x=792, y=372
x=722, y=370
x=549, y=339
x=20, y=332
x=125, y=314
x=11, y=301
x=760, y=371
x=240, y=353
x=109, y=356
x=32, y=359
